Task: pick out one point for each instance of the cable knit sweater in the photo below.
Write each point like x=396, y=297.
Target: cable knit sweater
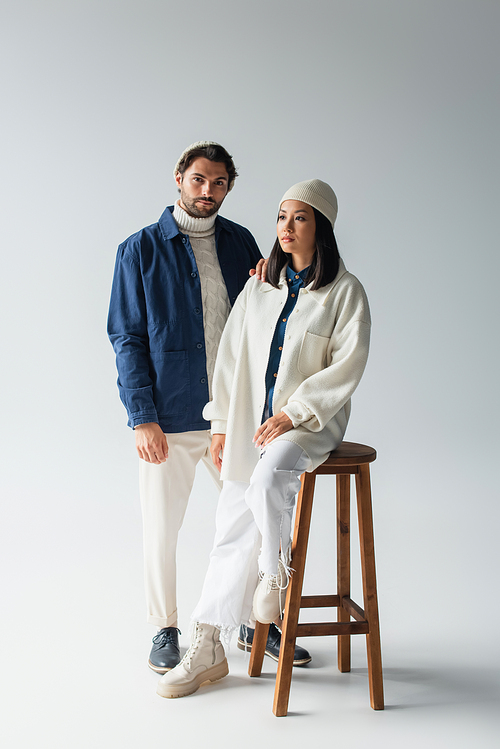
x=324, y=356
x=215, y=301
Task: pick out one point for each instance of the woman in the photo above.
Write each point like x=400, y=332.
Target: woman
x=291, y=355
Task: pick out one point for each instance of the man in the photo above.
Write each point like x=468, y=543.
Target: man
x=174, y=284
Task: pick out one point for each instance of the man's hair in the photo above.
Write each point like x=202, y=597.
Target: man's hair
x=212, y=153
x=325, y=263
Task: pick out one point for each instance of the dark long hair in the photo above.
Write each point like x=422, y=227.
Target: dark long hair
x=325, y=263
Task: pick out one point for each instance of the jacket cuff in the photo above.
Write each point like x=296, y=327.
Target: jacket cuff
x=145, y=419
x=297, y=413
x=218, y=426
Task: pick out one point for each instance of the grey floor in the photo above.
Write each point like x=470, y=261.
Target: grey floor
x=74, y=643
x=74, y=683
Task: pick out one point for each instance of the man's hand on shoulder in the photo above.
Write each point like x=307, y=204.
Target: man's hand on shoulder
x=260, y=269
x=151, y=443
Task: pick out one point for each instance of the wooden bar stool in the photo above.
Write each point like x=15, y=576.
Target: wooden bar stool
x=348, y=458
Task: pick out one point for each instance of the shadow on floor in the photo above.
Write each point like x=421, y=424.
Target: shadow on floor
x=435, y=687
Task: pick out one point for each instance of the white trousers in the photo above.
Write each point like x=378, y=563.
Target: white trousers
x=164, y=492
x=252, y=522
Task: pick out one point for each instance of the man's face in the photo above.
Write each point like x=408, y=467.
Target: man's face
x=203, y=187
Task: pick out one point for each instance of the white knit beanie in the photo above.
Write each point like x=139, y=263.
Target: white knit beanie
x=316, y=193
x=200, y=144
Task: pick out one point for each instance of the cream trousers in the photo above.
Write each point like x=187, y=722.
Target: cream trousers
x=164, y=492
x=252, y=522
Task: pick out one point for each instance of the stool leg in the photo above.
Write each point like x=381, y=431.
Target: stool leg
x=365, y=519
x=294, y=595
x=258, y=649
x=343, y=566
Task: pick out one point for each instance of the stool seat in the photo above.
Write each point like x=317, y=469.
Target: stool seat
x=350, y=458
x=348, y=454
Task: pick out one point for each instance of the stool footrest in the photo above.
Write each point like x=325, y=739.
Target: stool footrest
x=353, y=609
x=320, y=602
x=320, y=629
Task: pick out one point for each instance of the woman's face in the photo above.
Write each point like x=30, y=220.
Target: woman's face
x=297, y=229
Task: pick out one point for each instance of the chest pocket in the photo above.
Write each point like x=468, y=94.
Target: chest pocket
x=312, y=356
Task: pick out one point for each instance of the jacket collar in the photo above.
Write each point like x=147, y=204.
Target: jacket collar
x=320, y=295
x=169, y=228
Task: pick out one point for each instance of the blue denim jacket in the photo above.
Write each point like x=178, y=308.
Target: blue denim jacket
x=155, y=321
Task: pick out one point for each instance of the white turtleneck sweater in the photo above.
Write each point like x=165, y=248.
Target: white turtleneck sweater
x=215, y=301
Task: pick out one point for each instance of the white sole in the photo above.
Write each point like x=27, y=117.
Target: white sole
x=170, y=691
x=158, y=669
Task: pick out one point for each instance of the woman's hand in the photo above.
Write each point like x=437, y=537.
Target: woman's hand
x=217, y=449
x=272, y=428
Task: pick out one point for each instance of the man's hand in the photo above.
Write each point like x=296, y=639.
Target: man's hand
x=151, y=443
x=217, y=449
x=260, y=270
x=272, y=428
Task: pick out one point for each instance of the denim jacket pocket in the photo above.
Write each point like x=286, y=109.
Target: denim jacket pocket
x=312, y=356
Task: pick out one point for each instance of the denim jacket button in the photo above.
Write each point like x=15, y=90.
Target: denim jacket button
x=199, y=345
x=193, y=274
x=203, y=380
x=197, y=310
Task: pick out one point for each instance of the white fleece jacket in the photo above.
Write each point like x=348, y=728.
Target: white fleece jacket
x=324, y=356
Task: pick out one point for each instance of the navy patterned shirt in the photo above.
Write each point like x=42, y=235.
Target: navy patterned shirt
x=295, y=282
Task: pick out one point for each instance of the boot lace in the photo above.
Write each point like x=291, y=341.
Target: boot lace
x=271, y=581
x=280, y=581
x=188, y=655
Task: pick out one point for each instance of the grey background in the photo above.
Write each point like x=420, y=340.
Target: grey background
x=396, y=105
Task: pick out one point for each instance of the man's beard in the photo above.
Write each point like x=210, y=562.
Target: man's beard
x=192, y=207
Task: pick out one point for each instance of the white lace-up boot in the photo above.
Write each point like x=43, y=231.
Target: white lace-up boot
x=205, y=660
x=270, y=595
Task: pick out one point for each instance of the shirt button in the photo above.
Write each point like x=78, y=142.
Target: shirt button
x=284, y=319
x=197, y=310
x=296, y=276
x=293, y=295
x=193, y=274
x=199, y=345
x=275, y=374
x=280, y=348
x=203, y=380
x=184, y=239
